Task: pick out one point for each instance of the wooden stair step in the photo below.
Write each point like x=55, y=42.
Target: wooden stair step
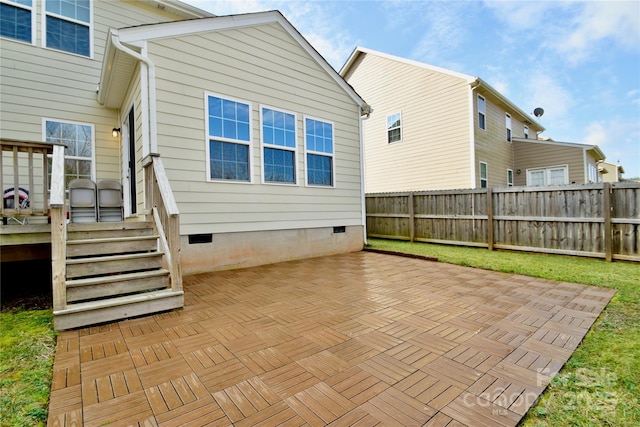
x=105, y=310
x=113, y=285
x=103, y=265
x=108, y=229
x=111, y=245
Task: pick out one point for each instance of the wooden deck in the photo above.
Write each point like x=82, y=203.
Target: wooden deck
x=358, y=339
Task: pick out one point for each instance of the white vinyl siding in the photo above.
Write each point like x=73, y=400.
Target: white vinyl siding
x=557, y=175
x=264, y=66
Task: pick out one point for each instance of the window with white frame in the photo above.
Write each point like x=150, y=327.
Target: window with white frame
x=394, y=128
x=507, y=120
x=556, y=175
x=482, y=112
x=593, y=173
x=484, y=175
x=229, y=139
x=526, y=132
x=509, y=177
x=319, y=152
x=17, y=20
x=79, y=151
x=279, y=146
x=68, y=26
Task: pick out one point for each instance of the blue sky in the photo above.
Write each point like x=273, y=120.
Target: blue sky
x=580, y=61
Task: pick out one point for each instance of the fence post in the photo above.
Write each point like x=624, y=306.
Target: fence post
x=412, y=219
x=489, y=219
x=608, y=235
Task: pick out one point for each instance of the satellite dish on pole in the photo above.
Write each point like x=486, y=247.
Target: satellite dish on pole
x=538, y=112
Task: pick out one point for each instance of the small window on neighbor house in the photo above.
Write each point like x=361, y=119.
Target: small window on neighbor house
x=69, y=26
x=394, y=128
x=557, y=175
x=526, y=132
x=483, y=175
x=507, y=119
x=228, y=141
x=509, y=177
x=279, y=146
x=481, y=113
x=16, y=20
x=319, y=152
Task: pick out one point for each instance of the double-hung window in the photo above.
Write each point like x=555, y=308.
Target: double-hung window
x=229, y=139
x=556, y=175
x=507, y=122
x=68, y=26
x=394, y=128
x=279, y=146
x=17, y=20
x=482, y=112
x=509, y=177
x=319, y=152
x=484, y=177
x=79, y=141
x=526, y=132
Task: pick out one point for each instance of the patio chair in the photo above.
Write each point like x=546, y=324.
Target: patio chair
x=82, y=200
x=110, y=205
x=9, y=202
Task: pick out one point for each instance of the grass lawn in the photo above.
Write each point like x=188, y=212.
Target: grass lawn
x=599, y=385
x=27, y=347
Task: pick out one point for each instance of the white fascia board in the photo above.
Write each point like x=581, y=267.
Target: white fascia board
x=359, y=49
x=136, y=35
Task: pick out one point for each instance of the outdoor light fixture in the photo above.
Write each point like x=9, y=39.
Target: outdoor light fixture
x=115, y=132
x=518, y=171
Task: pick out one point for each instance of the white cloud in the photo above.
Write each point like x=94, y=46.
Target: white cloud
x=617, y=21
x=619, y=140
x=548, y=93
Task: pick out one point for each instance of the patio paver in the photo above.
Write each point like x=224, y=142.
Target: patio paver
x=355, y=339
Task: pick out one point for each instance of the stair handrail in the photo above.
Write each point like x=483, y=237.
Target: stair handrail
x=159, y=201
x=58, y=229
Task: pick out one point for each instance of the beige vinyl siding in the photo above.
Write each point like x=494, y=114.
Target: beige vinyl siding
x=435, y=149
x=261, y=65
x=491, y=144
x=540, y=155
x=38, y=82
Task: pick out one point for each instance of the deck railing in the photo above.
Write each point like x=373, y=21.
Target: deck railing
x=162, y=206
x=23, y=165
x=58, y=230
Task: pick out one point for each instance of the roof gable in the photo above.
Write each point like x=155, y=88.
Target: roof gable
x=116, y=60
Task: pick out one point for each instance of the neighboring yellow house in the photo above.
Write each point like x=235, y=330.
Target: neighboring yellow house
x=436, y=129
x=610, y=172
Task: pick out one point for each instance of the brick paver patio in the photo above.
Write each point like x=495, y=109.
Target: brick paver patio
x=355, y=339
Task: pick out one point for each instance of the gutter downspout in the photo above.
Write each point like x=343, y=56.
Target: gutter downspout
x=472, y=146
x=365, y=112
x=152, y=145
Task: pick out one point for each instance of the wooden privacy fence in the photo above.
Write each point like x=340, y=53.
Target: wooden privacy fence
x=595, y=220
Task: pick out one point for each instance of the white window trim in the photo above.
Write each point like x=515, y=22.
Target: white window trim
x=509, y=177
x=483, y=112
x=547, y=172
x=279, y=147
x=399, y=127
x=319, y=153
x=43, y=29
x=507, y=123
x=93, y=141
x=222, y=139
x=526, y=132
x=486, y=178
x=31, y=8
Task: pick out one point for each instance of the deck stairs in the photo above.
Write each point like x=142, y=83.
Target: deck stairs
x=114, y=270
